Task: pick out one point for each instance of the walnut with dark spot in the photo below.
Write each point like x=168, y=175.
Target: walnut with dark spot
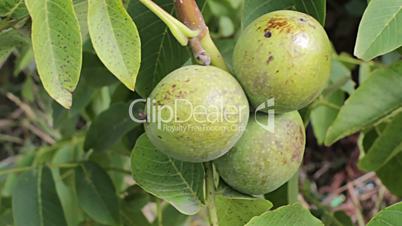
x=263, y=159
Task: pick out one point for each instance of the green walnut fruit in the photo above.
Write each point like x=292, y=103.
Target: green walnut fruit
x=285, y=55
x=263, y=160
x=196, y=113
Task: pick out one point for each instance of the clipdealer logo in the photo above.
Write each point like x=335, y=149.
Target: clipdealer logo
x=163, y=114
x=269, y=105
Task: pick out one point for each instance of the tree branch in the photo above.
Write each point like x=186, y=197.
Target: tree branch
x=204, y=49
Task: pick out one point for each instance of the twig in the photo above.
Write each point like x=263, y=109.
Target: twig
x=45, y=137
x=31, y=116
x=24, y=107
x=204, y=49
x=15, y=170
x=28, y=168
x=118, y=170
x=380, y=199
x=5, y=123
x=356, y=203
x=358, y=180
x=63, y=165
x=8, y=138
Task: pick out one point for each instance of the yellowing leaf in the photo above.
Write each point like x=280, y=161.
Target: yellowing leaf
x=57, y=45
x=115, y=39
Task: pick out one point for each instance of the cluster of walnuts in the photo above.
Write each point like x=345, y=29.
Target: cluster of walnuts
x=282, y=56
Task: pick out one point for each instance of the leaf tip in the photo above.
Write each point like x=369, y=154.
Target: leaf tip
x=64, y=100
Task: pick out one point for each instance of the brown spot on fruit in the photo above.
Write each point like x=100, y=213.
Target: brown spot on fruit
x=267, y=34
x=304, y=55
x=270, y=58
x=296, y=155
x=278, y=23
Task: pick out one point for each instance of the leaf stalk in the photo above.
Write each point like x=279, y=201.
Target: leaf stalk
x=180, y=31
x=210, y=194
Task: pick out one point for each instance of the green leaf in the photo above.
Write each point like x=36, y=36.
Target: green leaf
x=9, y=40
x=390, y=176
x=324, y=115
x=24, y=60
x=96, y=194
x=115, y=159
x=110, y=126
x=390, y=216
x=341, y=78
x=132, y=205
x=161, y=53
x=35, y=201
x=380, y=29
x=377, y=97
x=238, y=210
x=23, y=160
x=6, y=218
x=252, y=9
x=316, y=8
x=81, y=9
x=279, y=197
x=115, y=39
x=325, y=213
x=170, y=216
x=365, y=70
x=68, y=198
x=179, y=183
x=291, y=215
x=386, y=146
x=342, y=218
x=57, y=45
x=96, y=74
x=13, y=8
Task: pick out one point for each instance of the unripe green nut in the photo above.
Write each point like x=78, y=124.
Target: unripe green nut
x=264, y=160
x=210, y=112
x=285, y=55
